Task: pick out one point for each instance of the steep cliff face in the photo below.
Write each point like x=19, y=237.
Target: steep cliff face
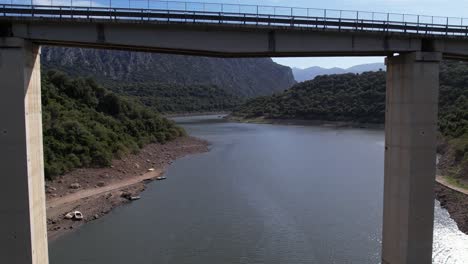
x=242, y=77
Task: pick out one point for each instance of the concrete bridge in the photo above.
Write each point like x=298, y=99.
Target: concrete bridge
x=414, y=46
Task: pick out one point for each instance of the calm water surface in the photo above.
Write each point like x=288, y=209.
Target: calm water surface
x=263, y=194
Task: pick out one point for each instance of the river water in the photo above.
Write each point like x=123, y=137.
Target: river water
x=263, y=194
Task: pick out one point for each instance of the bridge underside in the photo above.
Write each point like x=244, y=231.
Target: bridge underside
x=226, y=41
x=411, y=112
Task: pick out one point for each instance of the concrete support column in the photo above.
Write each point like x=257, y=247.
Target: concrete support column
x=410, y=157
x=23, y=230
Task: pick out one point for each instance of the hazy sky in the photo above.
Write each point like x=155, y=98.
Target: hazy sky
x=451, y=8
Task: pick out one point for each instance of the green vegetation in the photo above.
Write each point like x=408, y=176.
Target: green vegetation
x=456, y=182
x=339, y=97
x=86, y=125
x=176, y=98
x=361, y=98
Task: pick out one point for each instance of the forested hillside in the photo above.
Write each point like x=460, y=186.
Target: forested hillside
x=86, y=125
x=338, y=97
x=176, y=98
x=361, y=98
x=241, y=77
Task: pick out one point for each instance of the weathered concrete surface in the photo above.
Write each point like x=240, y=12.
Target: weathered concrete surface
x=410, y=157
x=23, y=234
x=225, y=40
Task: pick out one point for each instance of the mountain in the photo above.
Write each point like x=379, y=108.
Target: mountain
x=245, y=77
x=301, y=75
x=366, y=67
x=176, y=98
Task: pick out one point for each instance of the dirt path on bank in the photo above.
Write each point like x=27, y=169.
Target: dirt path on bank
x=96, y=191
x=56, y=205
x=443, y=181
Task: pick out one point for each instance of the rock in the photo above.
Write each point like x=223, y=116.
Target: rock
x=148, y=160
x=75, y=186
x=137, y=165
x=101, y=184
x=60, y=181
x=151, y=169
x=126, y=195
x=70, y=215
x=96, y=216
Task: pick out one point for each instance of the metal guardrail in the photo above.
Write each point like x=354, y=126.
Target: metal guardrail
x=254, y=15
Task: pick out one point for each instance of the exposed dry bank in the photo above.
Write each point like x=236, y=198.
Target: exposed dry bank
x=96, y=191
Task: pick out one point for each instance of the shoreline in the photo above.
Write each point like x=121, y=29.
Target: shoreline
x=305, y=122
x=96, y=191
x=172, y=115
x=455, y=202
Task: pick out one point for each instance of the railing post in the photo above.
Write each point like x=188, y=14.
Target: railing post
x=339, y=21
x=324, y=19
x=446, y=27
x=461, y=23
x=417, y=28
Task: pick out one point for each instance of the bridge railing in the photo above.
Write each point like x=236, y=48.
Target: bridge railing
x=178, y=11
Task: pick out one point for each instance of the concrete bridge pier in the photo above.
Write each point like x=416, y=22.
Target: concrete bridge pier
x=23, y=233
x=410, y=157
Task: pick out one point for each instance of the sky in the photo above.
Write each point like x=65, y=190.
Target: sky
x=445, y=8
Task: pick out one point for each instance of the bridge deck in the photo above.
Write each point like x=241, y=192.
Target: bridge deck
x=386, y=26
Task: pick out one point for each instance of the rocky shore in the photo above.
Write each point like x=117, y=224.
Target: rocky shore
x=456, y=203
x=96, y=191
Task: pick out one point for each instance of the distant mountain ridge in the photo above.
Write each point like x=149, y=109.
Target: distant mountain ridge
x=301, y=75
x=246, y=77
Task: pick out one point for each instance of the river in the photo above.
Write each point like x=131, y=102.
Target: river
x=263, y=194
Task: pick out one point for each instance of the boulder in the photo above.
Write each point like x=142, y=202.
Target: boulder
x=75, y=186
